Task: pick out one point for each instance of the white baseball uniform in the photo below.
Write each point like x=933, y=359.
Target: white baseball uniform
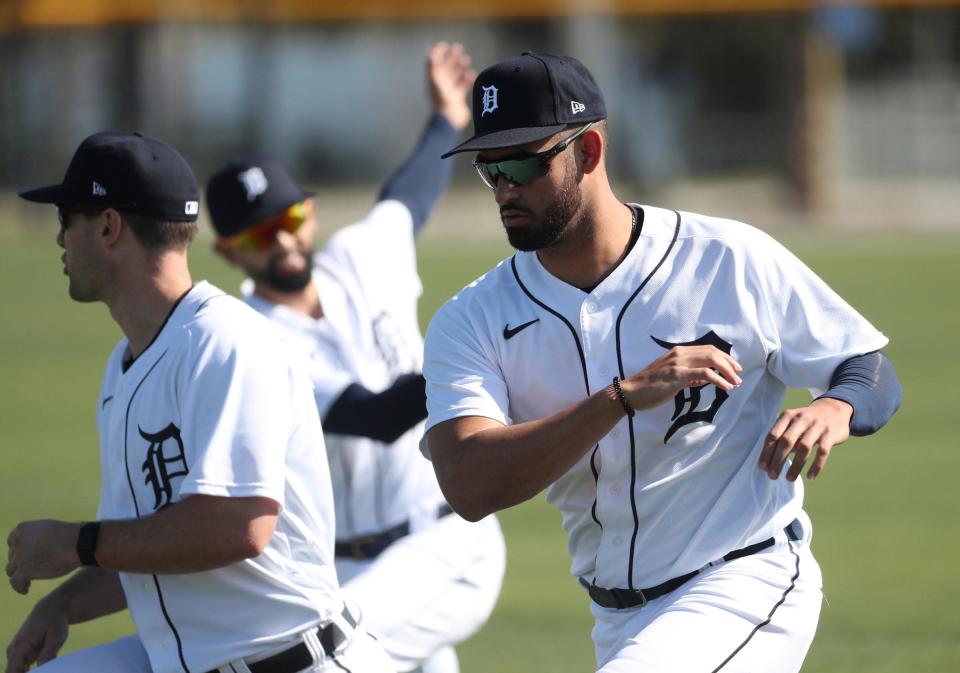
x=214, y=406
x=436, y=586
x=676, y=488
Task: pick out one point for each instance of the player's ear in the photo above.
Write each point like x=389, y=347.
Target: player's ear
x=591, y=150
x=111, y=225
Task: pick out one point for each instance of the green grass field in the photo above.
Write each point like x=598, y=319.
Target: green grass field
x=886, y=510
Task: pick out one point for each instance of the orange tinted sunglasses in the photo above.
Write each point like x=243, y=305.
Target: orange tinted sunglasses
x=261, y=236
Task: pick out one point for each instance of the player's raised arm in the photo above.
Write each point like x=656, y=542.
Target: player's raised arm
x=420, y=181
x=484, y=466
x=450, y=78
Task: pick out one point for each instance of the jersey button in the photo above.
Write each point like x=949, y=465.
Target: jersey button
x=617, y=541
x=604, y=371
x=591, y=306
x=615, y=489
x=615, y=433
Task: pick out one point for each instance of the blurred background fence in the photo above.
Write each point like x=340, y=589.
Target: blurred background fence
x=847, y=114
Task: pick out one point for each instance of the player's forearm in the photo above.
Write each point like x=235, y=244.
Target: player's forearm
x=869, y=384
x=420, y=181
x=383, y=416
x=195, y=534
x=87, y=594
x=484, y=467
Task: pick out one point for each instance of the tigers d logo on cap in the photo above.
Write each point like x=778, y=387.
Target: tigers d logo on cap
x=248, y=191
x=530, y=98
x=489, y=99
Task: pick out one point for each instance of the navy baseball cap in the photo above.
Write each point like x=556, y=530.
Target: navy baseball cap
x=530, y=98
x=249, y=190
x=127, y=171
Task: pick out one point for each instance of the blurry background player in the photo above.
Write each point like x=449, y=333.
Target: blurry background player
x=425, y=578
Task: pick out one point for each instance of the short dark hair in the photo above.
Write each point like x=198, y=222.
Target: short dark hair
x=156, y=234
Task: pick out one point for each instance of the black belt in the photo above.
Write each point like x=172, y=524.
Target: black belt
x=621, y=599
x=297, y=657
x=371, y=546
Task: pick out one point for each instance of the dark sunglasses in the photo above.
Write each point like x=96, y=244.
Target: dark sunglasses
x=63, y=214
x=523, y=170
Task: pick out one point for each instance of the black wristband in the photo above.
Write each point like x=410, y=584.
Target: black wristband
x=620, y=396
x=87, y=543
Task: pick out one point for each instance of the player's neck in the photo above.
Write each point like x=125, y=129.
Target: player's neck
x=593, y=245
x=141, y=304
x=305, y=301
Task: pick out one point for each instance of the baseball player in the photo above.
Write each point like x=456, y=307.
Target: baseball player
x=425, y=578
x=633, y=360
x=215, y=523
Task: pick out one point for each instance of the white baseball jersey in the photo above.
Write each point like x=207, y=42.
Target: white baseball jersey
x=366, y=275
x=675, y=487
x=214, y=406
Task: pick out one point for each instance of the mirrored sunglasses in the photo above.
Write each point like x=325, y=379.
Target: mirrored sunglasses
x=261, y=236
x=526, y=169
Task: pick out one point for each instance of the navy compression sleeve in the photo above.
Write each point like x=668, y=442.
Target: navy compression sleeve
x=421, y=179
x=870, y=385
x=380, y=416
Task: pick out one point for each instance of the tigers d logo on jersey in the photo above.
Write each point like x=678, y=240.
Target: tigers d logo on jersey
x=165, y=460
x=388, y=338
x=688, y=401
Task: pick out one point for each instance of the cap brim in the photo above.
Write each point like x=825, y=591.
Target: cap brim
x=50, y=194
x=506, y=138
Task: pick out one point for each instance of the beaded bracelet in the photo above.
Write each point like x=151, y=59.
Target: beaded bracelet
x=620, y=396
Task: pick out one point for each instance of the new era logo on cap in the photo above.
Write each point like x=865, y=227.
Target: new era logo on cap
x=192, y=208
x=98, y=189
x=576, y=107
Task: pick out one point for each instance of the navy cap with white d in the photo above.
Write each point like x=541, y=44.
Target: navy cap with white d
x=126, y=171
x=248, y=190
x=530, y=98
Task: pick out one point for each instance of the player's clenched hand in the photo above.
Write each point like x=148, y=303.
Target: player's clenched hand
x=41, y=550
x=450, y=78
x=680, y=367
x=814, y=429
x=39, y=639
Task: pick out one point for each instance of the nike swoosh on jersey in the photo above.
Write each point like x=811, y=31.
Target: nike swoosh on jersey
x=510, y=333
